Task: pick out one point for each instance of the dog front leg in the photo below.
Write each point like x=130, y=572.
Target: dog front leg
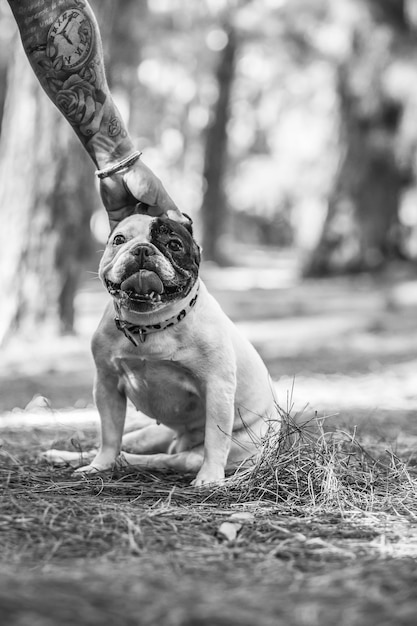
x=218, y=431
x=111, y=405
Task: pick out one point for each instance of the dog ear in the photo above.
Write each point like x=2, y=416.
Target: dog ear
x=189, y=224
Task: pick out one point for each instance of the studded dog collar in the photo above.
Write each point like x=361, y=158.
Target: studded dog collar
x=132, y=330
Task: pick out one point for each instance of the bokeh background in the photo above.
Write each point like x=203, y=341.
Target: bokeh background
x=287, y=129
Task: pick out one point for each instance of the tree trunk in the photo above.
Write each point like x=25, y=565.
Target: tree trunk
x=215, y=159
x=47, y=197
x=361, y=229
x=45, y=206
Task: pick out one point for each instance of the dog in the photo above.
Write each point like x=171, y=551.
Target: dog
x=165, y=344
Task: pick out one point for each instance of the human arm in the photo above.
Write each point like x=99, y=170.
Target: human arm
x=62, y=41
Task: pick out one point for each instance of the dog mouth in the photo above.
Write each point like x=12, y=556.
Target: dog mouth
x=143, y=290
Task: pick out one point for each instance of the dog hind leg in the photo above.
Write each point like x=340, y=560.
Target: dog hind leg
x=183, y=462
x=68, y=457
x=149, y=439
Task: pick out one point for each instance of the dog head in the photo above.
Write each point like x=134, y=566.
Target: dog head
x=150, y=262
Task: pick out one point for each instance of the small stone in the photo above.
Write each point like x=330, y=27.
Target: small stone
x=38, y=403
x=228, y=531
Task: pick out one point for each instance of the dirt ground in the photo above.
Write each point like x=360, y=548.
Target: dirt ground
x=84, y=552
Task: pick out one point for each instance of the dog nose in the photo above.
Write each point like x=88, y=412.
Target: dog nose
x=142, y=251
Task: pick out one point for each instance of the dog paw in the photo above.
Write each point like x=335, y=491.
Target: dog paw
x=59, y=458
x=93, y=468
x=102, y=464
x=206, y=477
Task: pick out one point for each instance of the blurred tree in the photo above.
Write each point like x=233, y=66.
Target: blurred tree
x=6, y=36
x=124, y=31
x=214, y=201
x=361, y=230
x=214, y=71
x=47, y=196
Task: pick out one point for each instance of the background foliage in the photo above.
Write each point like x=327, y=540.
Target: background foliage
x=288, y=124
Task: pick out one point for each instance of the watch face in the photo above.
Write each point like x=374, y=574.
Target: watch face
x=70, y=37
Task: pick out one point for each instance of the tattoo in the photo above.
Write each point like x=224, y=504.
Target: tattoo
x=115, y=127
x=62, y=42
x=69, y=72
x=70, y=39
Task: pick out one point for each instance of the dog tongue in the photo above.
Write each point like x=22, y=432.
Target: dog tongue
x=143, y=282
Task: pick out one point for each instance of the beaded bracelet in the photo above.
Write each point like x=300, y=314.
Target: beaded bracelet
x=113, y=169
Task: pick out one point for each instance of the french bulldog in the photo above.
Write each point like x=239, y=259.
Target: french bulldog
x=165, y=344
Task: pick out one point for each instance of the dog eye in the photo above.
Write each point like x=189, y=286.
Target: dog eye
x=118, y=240
x=175, y=245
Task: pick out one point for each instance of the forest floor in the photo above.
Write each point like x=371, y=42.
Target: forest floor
x=324, y=533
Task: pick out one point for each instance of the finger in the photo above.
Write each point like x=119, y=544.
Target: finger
x=117, y=215
x=177, y=216
x=165, y=202
x=147, y=187
x=168, y=209
x=156, y=211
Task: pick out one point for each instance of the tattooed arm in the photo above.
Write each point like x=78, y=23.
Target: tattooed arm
x=62, y=41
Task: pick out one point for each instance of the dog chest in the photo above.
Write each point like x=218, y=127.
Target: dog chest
x=164, y=390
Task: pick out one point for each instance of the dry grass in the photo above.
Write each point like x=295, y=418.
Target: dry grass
x=301, y=472
x=306, y=466
x=325, y=510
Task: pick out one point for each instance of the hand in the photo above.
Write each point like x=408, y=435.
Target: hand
x=137, y=190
